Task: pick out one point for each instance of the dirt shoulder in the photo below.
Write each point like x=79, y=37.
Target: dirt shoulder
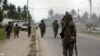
x=16, y=46
x=89, y=35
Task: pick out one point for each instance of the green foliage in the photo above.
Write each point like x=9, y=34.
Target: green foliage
x=5, y=5
x=89, y=25
x=0, y=1
x=2, y=35
x=12, y=13
x=1, y=15
x=18, y=13
x=29, y=17
x=85, y=17
x=98, y=21
x=24, y=13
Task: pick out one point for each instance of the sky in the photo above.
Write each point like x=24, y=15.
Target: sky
x=39, y=8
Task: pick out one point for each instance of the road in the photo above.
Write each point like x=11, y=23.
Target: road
x=50, y=46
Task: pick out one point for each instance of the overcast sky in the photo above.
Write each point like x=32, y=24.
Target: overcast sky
x=39, y=8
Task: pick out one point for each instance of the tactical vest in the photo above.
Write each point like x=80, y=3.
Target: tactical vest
x=68, y=33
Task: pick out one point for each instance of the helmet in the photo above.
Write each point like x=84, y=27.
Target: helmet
x=68, y=15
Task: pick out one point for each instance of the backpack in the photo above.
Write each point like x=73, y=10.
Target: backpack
x=72, y=29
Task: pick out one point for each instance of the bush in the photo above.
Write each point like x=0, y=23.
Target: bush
x=2, y=35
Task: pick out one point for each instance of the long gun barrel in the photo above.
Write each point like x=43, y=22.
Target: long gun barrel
x=76, y=49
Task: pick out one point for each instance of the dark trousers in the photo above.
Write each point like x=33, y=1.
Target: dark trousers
x=8, y=34
x=42, y=32
x=16, y=34
x=68, y=49
x=29, y=33
x=55, y=32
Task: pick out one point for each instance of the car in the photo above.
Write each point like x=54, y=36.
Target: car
x=24, y=26
x=97, y=28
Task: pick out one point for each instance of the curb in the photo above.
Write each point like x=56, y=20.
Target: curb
x=34, y=46
x=37, y=42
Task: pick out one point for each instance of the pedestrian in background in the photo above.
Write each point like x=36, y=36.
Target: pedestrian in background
x=55, y=28
x=16, y=31
x=42, y=28
x=8, y=30
x=29, y=29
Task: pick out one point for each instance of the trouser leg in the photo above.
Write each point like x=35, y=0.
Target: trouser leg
x=17, y=35
x=65, y=49
x=8, y=35
x=71, y=47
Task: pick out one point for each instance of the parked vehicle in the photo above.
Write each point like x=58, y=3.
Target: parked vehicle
x=97, y=28
x=24, y=26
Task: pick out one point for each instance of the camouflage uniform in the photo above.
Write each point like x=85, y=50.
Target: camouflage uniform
x=8, y=30
x=16, y=31
x=29, y=30
x=42, y=28
x=70, y=31
x=55, y=28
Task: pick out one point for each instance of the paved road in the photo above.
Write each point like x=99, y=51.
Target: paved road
x=87, y=46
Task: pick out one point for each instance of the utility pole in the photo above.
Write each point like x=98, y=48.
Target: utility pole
x=90, y=21
x=78, y=13
x=27, y=10
x=90, y=2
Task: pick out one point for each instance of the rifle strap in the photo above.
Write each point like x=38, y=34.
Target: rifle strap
x=64, y=28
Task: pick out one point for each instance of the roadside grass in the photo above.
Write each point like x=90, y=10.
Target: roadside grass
x=33, y=46
x=90, y=33
x=2, y=35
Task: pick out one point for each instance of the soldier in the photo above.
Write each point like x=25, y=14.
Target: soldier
x=29, y=30
x=16, y=31
x=42, y=28
x=8, y=30
x=69, y=32
x=55, y=28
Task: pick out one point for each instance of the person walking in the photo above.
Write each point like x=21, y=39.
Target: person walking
x=55, y=28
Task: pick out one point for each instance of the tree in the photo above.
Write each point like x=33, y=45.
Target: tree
x=5, y=5
x=79, y=18
x=73, y=12
x=19, y=12
x=29, y=17
x=85, y=17
x=89, y=26
x=98, y=21
x=24, y=13
x=94, y=17
x=1, y=15
x=19, y=9
x=51, y=12
x=12, y=13
x=0, y=1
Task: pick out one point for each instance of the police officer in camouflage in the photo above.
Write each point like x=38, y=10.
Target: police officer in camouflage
x=55, y=28
x=8, y=30
x=29, y=29
x=42, y=28
x=16, y=31
x=69, y=32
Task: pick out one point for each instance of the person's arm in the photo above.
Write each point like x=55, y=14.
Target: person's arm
x=39, y=25
x=6, y=28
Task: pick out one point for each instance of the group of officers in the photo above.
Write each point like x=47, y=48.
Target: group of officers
x=16, y=29
x=68, y=33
